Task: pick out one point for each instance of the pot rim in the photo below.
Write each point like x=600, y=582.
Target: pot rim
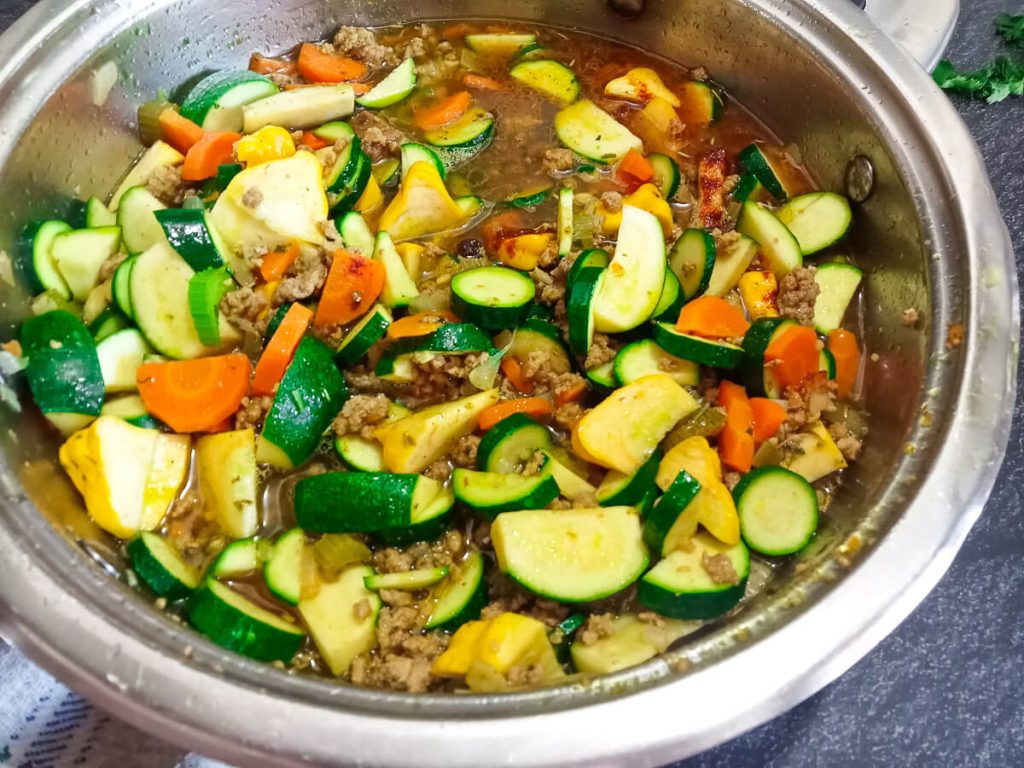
x=133, y=662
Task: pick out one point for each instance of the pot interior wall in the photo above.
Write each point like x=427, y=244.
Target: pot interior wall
x=74, y=148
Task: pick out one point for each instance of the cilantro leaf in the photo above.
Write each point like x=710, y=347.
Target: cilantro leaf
x=993, y=82
x=1011, y=29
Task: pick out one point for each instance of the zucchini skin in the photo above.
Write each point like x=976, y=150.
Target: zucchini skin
x=149, y=568
x=702, y=351
x=580, y=309
x=347, y=502
x=491, y=448
x=692, y=607
x=188, y=233
x=495, y=312
x=63, y=369
x=310, y=396
x=802, y=517
x=535, y=495
x=237, y=631
x=635, y=489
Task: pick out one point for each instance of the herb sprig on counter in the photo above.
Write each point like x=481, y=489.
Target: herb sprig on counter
x=1011, y=29
x=996, y=80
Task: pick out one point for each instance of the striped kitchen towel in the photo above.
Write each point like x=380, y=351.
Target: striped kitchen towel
x=45, y=725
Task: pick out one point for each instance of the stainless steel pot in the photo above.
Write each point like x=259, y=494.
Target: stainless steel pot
x=929, y=236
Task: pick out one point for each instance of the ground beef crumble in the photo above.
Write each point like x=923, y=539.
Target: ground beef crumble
x=441, y=378
x=252, y=197
x=109, y=267
x=165, y=184
x=379, y=138
x=440, y=470
x=797, y=293
x=532, y=467
x=848, y=443
x=445, y=552
x=612, y=201
x=597, y=626
x=601, y=351
x=361, y=414
x=253, y=412
x=360, y=43
x=245, y=309
x=404, y=656
x=464, y=454
x=304, y=278
x=720, y=568
x=568, y=415
x=507, y=596
x=806, y=404
x=558, y=162
x=404, y=653
x=331, y=335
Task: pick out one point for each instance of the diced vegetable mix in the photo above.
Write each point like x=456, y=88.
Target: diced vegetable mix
x=548, y=298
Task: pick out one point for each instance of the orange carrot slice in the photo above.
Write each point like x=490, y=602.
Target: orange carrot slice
x=768, y=417
x=637, y=167
x=736, y=440
x=481, y=83
x=194, y=395
x=843, y=346
x=264, y=65
x=318, y=66
x=712, y=318
x=793, y=356
x=513, y=371
x=180, y=132
x=571, y=394
x=280, y=349
x=207, y=155
x=537, y=407
x=419, y=324
x=276, y=263
x=353, y=284
x=445, y=112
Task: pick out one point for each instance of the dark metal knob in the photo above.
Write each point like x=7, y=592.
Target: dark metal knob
x=627, y=8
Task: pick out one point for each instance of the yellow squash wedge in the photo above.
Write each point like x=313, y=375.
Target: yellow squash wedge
x=371, y=198
x=713, y=506
x=228, y=480
x=414, y=443
x=113, y=463
x=167, y=471
x=524, y=252
x=640, y=85
x=273, y=204
x=646, y=197
x=456, y=659
x=268, y=143
x=623, y=430
x=631, y=642
x=758, y=291
x=484, y=652
x=816, y=454
x=340, y=630
x=422, y=206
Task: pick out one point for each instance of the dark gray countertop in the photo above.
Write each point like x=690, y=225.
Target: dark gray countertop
x=945, y=688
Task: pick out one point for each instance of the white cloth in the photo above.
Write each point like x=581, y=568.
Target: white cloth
x=43, y=724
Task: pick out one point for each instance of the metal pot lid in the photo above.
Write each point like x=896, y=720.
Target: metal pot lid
x=112, y=646
x=923, y=27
